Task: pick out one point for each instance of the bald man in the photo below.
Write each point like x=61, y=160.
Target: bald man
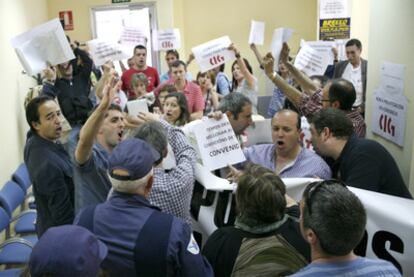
x=286, y=156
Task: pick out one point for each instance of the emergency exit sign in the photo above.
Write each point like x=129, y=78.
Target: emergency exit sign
x=120, y=1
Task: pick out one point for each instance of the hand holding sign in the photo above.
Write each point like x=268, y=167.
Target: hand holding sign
x=257, y=29
x=217, y=143
x=213, y=53
x=168, y=39
x=43, y=45
x=311, y=61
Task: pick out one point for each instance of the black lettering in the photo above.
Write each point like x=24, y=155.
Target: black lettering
x=396, y=244
x=198, y=200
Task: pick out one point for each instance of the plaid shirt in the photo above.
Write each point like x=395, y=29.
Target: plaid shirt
x=312, y=104
x=172, y=189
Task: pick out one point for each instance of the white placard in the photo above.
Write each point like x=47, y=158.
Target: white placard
x=389, y=116
x=257, y=29
x=164, y=40
x=104, y=51
x=311, y=61
x=218, y=145
x=132, y=36
x=280, y=36
x=137, y=106
x=322, y=47
x=392, y=78
x=333, y=9
x=259, y=132
x=213, y=53
x=45, y=44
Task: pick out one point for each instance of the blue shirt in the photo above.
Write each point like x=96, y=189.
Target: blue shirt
x=118, y=222
x=360, y=267
x=307, y=163
x=92, y=184
x=222, y=84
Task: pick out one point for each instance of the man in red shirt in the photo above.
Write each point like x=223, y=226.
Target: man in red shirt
x=140, y=66
x=192, y=91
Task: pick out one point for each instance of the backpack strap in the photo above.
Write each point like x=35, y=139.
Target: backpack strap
x=86, y=217
x=150, y=252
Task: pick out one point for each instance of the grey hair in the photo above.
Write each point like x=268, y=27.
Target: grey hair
x=131, y=186
x=234, y=103
x=153, y=133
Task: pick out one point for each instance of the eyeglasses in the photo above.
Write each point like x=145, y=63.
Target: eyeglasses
x=313, y=187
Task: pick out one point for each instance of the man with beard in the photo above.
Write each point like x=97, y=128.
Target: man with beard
x=101, y=133
x=361, y=163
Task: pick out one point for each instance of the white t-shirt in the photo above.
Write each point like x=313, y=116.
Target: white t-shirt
x=354, y=75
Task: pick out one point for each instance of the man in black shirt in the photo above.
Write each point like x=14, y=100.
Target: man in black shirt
x=360, y=163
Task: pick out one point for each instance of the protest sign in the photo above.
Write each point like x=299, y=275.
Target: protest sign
x=390, y=219
x=389, y=116
x=389, y=104
x=164, y=40
x=137, y=106
x=280, y=36
x=45, y=44
x=217, y=143
x=311, y=61
x=259, y=132
x=103, y=51
x=213, y=53
x=256, y=35
x=132, y=36
x=324, y=47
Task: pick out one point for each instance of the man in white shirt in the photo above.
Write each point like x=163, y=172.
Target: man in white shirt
x=354, y=70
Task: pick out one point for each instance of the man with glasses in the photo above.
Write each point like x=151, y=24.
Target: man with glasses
x=333, y=221
x=360, y=162
x=338, y=94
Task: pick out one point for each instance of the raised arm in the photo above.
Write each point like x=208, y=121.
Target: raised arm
x=292, y=93
x=91, y=127
x=257, y=54
x=301, y=78
x=243, y=68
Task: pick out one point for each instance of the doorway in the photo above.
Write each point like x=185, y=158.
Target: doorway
x=108, y=23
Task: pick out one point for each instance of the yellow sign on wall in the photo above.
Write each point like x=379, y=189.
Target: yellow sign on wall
x=338, y=28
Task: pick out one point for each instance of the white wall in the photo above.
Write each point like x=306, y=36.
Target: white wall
x=16, y=16
x=391, y=38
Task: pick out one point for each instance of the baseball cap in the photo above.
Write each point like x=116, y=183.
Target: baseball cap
x=133, y=155
x=67, y=250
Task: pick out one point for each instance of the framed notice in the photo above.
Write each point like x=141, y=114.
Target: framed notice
x=66, y=19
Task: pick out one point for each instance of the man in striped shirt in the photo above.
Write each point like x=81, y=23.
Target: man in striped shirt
x=333, y=222
x=339, y=93
x=191, y=91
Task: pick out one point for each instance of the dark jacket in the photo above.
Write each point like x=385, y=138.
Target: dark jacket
x=73, y=95
x=340, y=68
x=51, y=173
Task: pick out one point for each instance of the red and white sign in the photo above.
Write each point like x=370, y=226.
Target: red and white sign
x=388, y=116
x=164, y=40
x=389, y=107
x=66, y=18
x=213, y=53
